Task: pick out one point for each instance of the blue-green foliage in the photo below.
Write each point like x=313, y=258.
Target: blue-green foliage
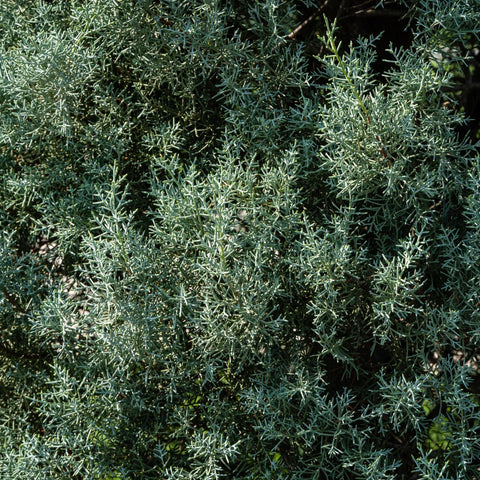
x=223, y=257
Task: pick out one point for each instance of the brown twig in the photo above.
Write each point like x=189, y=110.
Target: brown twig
x=295, y=32
x=372, y=12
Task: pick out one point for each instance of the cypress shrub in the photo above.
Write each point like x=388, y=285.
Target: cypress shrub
x=240, y=239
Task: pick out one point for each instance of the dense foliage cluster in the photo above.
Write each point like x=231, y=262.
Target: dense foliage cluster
x=240, y=239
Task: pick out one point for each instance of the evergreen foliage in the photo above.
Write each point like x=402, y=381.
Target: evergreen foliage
x=236, y=249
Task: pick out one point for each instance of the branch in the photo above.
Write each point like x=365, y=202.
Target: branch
x=293, y=34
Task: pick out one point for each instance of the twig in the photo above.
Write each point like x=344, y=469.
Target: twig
x=376, y=13
x=293, y=34
x=361, y=103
